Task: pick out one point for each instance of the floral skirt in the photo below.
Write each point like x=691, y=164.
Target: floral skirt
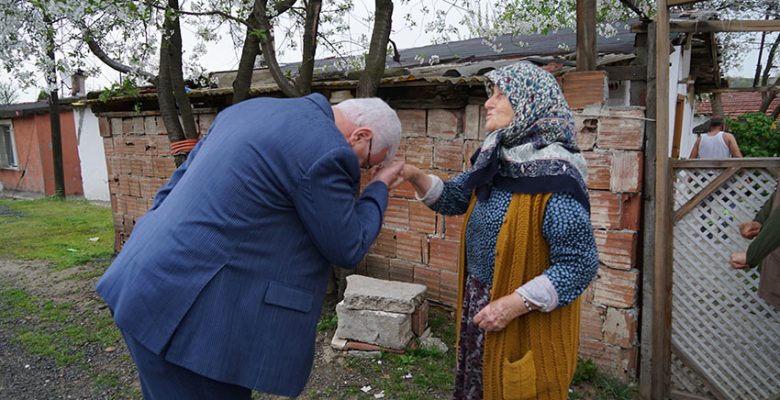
x=471, y=344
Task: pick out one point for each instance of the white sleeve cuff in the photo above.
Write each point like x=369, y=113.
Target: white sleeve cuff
x=434, y=192
x=541, y=292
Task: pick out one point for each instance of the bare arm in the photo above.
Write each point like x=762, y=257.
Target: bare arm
x=419, y=180
x=695, y=150
x=731, y=141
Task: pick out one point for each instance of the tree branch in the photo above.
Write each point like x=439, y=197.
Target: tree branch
x=266, y=35
x=377, y=52
x=116, y=65
x=310, y=29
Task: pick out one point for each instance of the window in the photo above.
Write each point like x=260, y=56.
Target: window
x=7, y=148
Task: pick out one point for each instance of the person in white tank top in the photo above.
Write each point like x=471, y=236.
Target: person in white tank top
x=716, y=143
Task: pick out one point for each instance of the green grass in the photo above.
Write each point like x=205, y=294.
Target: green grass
x=56, y=231
x=605, y=387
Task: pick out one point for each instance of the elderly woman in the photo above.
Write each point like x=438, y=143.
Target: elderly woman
x=527, y=251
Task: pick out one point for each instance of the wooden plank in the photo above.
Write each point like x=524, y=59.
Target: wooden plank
x=679, y=112
x=677, y=395
x=734, y=25
x=708, y=89
x=704, y=193
x=672, y=3
x=728, y=163
x=690, y=363
x=662, y=271
x=582, y=89
x=626, y=72
x=586, y=35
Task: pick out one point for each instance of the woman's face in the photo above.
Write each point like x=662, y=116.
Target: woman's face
x=499, y=111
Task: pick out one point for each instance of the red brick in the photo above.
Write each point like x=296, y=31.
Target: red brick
x=161, y=126
x=431, y=278
x=445, y=124
x=626, y=172
x=469, y=148
x=617, y=249
x=412, y=122
x=448, y=154
x=419, y=152
x=591, y=321
x=621, y=133
x=412, y=246
x=630, y=211
x=599, y=167
x=405, y=191
x=150, y=125
x=613, y=360
x=204, y=123
x=587, y=131
x=104, y=126
x=397, y=213
x=127, y=126
x=616, y=288
x=605, y=209
x=444, y=254
x=420, y=319
x=138, y=126
x=402, y=270
x=385, y=244
x=483, y=133
x=116, y=126
x=584, y=88
x=453, y=226
x=471, y=122
x=421, y=218
x=163, y=166
x=377, y=266
x=449, y=287
x=620, y=327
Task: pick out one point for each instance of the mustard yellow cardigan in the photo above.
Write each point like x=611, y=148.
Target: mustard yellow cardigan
x=534, y=357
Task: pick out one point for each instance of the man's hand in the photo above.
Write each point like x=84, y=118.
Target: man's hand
x=390, y=174
x=739, y=260
x=497, y=315
x=749, y=230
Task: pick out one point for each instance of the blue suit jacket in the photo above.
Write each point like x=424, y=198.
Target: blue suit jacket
x=226, y=273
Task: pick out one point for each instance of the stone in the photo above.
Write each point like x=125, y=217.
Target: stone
x=364, y=354
x=434, y=344
x=364, y=293
x=385, y=329
x=338, y=343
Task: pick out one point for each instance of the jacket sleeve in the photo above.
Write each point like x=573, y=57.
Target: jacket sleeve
x=763, y=213
x=342, y=227
x=767, y=240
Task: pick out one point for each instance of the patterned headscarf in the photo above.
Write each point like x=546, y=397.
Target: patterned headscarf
x=536, y=153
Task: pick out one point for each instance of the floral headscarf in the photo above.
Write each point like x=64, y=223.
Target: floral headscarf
x=536, y=153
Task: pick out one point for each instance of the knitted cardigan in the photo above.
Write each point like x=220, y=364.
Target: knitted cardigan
x=534, y=357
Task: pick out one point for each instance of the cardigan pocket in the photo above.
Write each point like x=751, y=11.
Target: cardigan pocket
x=519, y=378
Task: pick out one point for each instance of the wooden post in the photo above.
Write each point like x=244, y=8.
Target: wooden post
x=586, y=35
x=662, y=274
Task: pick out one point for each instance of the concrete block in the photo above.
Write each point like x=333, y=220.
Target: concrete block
x=385, y=329
x=364, y=293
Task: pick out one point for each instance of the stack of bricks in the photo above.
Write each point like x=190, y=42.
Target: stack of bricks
x=138, y=161
x=418, y=245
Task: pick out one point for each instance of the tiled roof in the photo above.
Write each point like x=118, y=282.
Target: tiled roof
x=736, y=103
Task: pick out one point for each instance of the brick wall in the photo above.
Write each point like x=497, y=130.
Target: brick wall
x=138, y=161
x=418, y=245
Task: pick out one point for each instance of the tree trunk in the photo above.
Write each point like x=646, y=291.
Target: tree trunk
x=266, y=35
x=377, y=53
x=251, y=50
x=54, y=112
x=247, y=63
x=170, y=89
x=757, y=78
x=717, y=105
x=770, y=62
x=310, y=29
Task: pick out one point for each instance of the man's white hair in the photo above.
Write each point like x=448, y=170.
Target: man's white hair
x=377, y=115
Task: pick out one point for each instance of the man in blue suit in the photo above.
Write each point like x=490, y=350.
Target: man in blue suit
x=220, y=286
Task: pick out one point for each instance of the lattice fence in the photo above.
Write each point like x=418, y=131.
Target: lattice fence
x=726, y=339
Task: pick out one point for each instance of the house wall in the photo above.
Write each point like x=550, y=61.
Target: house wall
x=418, y=245
x=92, y=157
x=35, y=174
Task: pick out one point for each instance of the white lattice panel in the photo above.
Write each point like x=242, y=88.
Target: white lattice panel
x=717, y=317
x=685, y=380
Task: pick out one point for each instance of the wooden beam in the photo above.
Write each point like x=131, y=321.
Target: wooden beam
x=586, y=35
x=626, y=72
x=672, y=3
x=728, y=163
x=709, y=89
x=735, y=25
x=662, y=268
x=679, y=113
x=693, y=366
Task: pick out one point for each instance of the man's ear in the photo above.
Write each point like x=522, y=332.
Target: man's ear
x=363, y=133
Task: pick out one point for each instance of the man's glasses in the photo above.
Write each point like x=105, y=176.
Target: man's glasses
x=368, y=159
